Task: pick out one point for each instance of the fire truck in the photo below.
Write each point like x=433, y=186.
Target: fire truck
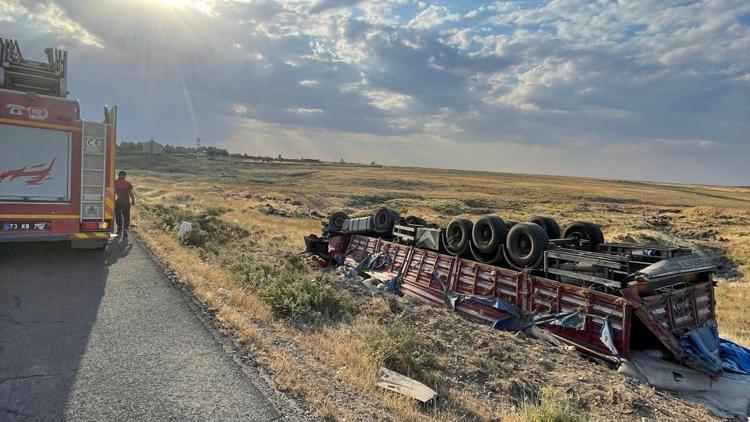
x=56, y=170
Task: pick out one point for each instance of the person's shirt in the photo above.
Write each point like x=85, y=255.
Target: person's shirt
x=122, y=190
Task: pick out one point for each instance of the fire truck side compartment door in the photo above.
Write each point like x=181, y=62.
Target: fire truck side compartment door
x=34, y=164
x=93, y=170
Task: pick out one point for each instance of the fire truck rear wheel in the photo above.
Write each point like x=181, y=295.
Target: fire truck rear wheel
x=585, y=230
x=458, y=236
x=489, y=233
x=526, y=244
x=549, y=225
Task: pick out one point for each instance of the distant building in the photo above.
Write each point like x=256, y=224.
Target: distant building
x=152, y=147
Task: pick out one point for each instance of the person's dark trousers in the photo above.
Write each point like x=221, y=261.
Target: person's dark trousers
x=122, y=216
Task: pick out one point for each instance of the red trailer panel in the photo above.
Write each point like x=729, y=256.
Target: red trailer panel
x=490, y=293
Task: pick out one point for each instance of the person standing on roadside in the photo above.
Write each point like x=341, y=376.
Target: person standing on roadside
x=124, y=198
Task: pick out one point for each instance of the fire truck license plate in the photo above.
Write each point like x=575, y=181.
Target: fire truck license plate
x=27, y=227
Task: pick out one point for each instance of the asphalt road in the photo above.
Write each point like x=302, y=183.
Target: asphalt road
x=105, y=336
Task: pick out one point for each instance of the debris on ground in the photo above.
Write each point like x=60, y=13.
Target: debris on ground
x=393, y=381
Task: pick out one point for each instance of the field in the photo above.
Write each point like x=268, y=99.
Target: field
x=324, y=339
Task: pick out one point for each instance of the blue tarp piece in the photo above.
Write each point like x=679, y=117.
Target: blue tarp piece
x=502, y=306
x=575, y=320
x=436, y=276
x=734, y=358
x=366, y=263
x=340, y=259
x=392, y=285
x=719, y=354
x=452, y=299
x=510, y=323
x=375, y=265
x=357, y=269
x=371, y=263
x=703, y=343
x=606, y=336
x=496, y=303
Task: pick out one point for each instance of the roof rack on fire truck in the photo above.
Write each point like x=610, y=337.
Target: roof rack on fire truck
x=19, y=74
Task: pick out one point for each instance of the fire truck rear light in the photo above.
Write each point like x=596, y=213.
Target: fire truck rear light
x=95, y=225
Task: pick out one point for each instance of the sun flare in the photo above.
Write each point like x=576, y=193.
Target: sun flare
x=174, y=3
x=199, y=5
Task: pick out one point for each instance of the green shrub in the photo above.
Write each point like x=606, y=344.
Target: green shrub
x=216, y=211
x=196, y=237
x=307, y=302
x=252, y=273
x=166, y=217
x=551, y=408
x=208, y=231
x=401, y=348
x=255, y=273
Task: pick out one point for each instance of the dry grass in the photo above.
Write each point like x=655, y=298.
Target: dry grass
x=333, y=367
x=732, y=301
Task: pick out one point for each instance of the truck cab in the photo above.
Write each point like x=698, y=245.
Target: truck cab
x=56, y=170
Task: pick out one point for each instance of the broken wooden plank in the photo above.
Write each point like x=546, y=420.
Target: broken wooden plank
x=383, y=277
x=393, y=381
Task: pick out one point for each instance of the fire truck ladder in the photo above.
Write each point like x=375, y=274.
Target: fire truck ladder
x=19, y=74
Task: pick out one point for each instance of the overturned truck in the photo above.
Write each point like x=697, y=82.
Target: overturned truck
x=647, y=309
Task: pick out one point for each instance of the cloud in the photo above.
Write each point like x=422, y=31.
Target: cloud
x=47, y=18
x=302, y=110
x=323, y=5
x=432, y=16
x=385, y=100
x=239, y=109
x=571, y=83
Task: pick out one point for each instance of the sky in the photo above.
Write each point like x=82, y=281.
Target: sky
x=648, y=90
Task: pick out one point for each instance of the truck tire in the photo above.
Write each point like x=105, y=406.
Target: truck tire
x=336, y=222
x=497, y=257
x=549, y=225
x=458, y=236
x=384, y=219
x=510, y=223
x=526, y=245
x=585, y=230
x=488, y=234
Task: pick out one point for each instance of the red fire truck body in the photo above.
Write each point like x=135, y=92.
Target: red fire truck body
x=56, y=170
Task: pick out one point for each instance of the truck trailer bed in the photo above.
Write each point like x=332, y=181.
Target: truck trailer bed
x=607, y=326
